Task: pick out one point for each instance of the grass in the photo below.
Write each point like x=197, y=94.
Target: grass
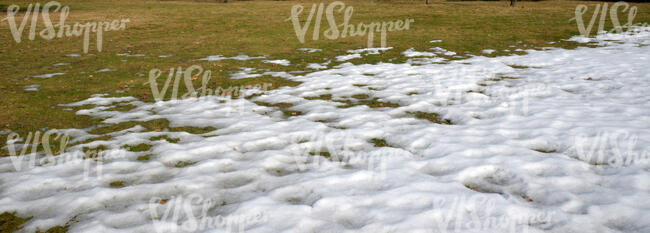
x=164, y=137
x=378, y=142
x=117, y=184
x=144, y=157
x=9, y=222
x=325, y=154
x=363, y=99
x=191, y=30
x=432, y=117
x=137, y=148
x=180, y=164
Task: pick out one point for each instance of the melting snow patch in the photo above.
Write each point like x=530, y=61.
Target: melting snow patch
x=240, y=57
x=73, y=55
x=425, y=60
x=104, y=70
x=488, y=51
x=47, y=75
x=130, y=55
x=310, y=50
x=61, y=64
x=316, y=66
x=443, y=51
x=348, y=57
x=31, y=87
x=369, y=50
x=412, y=53
x=283, y=62
x=245, y=72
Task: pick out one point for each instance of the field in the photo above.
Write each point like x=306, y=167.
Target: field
x=194, y=30
x=168, y=35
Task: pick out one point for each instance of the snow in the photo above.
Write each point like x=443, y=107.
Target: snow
x=282, y=62
x=104, y=70
x=245, y=72
x=530, y=149
x=31, y=87
x=316, y=66
x=488, y=51
x=310, y=50
x=47, y=75
x=130, y=55
x=241, y=57
x=370, y=50
x=443, y=51
x=348, y=57
x=61, y=64
x=412, y=53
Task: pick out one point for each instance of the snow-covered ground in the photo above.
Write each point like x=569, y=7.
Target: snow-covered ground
x=552, y=141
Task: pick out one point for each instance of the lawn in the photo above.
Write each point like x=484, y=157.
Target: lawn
x=193, y=30
x=189, y=31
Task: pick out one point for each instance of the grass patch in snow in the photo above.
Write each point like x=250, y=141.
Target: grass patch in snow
x=9, y=222
x=372, y=103
x=325, y=154
x=543, y=150
x=100, y=147
x=432, y=117
x=522, y=67
x=117, y=184
x=320, y=97
x=284, y=107
x=378, y=142
x=361, y=96
x=181, y=164
x=146, y=157
x=137, y=148
x=164, y=137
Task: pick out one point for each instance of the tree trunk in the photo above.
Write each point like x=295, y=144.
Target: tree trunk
x=427, y=2
x=512, y=3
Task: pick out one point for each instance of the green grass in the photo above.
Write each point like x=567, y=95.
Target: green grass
x=378, y=142
x=144, y=157
x=325, y=154
x=191, y=30
x=117, y=184
x=137, y=148
x=432, y=117
x=164, y=137
x=9, y=222
x=180, y=164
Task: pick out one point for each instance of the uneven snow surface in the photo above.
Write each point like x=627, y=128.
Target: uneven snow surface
x=551, y=141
